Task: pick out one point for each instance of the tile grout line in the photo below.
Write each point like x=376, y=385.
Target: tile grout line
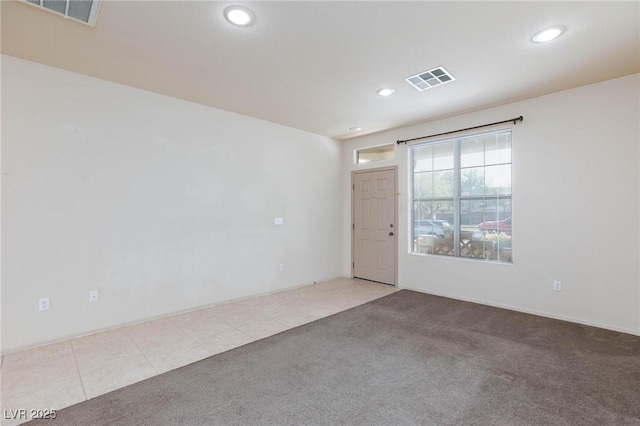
x=202, y=343
x=198, y=341
x=73, y=351
x=237, y=329
x=169, y=348
x=143, y=355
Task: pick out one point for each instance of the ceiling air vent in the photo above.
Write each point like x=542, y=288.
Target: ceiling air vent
x=85, y=11
x=428, y=79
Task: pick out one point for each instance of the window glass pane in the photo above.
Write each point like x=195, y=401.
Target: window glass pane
x=496, y=217
x=443, y=210
x=496, y=230
x=498, y=179
x=472, y=243
x=504, y=148
x=439, y=228
x=375, y=154
x=471, y=152
x=443, y=183
x=432, y=230
x=443, y=155
x=423, y=158
x=504, y=211
x=422, y=210
x=423, y=185
x=490, y=210
x=498, y=149
x=472, y=181
x=440, y=210
x=498, y=243
x=422, y=213
x=472, y=213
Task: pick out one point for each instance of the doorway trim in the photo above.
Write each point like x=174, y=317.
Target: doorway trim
x=395, y=209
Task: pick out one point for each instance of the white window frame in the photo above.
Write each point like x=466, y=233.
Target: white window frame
x=456, y=197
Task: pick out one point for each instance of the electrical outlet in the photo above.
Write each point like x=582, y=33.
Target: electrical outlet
x=281, y=267
x=93, y=296
x=43, y=304
x=557, y=286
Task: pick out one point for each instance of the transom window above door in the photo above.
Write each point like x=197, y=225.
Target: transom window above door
x=461, y=197
x=377, y=153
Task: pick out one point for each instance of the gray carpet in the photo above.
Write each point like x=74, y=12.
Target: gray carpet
x=408, y=358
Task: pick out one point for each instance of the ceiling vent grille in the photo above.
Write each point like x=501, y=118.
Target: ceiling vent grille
x=429, y=79
x=84, y=11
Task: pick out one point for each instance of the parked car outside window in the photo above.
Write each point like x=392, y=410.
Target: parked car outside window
x=497, y=226
x=439, y=228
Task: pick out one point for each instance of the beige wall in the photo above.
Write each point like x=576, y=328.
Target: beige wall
x=576, y=187
x=161, y=204
x=164, y=205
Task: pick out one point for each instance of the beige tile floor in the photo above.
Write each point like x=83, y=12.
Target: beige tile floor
x=62, y=374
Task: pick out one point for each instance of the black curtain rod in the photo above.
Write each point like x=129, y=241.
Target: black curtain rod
x=462, y=130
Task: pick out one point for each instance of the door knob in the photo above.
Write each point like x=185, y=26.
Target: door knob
x=391, y=233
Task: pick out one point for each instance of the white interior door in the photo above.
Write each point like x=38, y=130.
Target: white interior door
x=374, y=226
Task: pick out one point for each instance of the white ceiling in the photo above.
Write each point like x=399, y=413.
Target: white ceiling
x=316, y=66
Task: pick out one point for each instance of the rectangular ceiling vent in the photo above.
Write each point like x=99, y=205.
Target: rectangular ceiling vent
x=84, y=11
x=428, y=79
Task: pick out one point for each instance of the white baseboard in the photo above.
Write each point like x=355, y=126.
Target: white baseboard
x=156, y=317
x=528, y=311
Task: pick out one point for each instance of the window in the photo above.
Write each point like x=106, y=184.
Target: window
x=377, y=153
x=461, y=197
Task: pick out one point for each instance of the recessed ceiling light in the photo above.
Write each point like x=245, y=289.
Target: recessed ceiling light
x=239, y=15
x=548, y=34
x=385, y=92
x=355, y=129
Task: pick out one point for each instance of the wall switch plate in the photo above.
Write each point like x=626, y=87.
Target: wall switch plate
x=281, y=267
x=43, y=304
x=557, y=286
x=93, y=296
x=278, y=221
